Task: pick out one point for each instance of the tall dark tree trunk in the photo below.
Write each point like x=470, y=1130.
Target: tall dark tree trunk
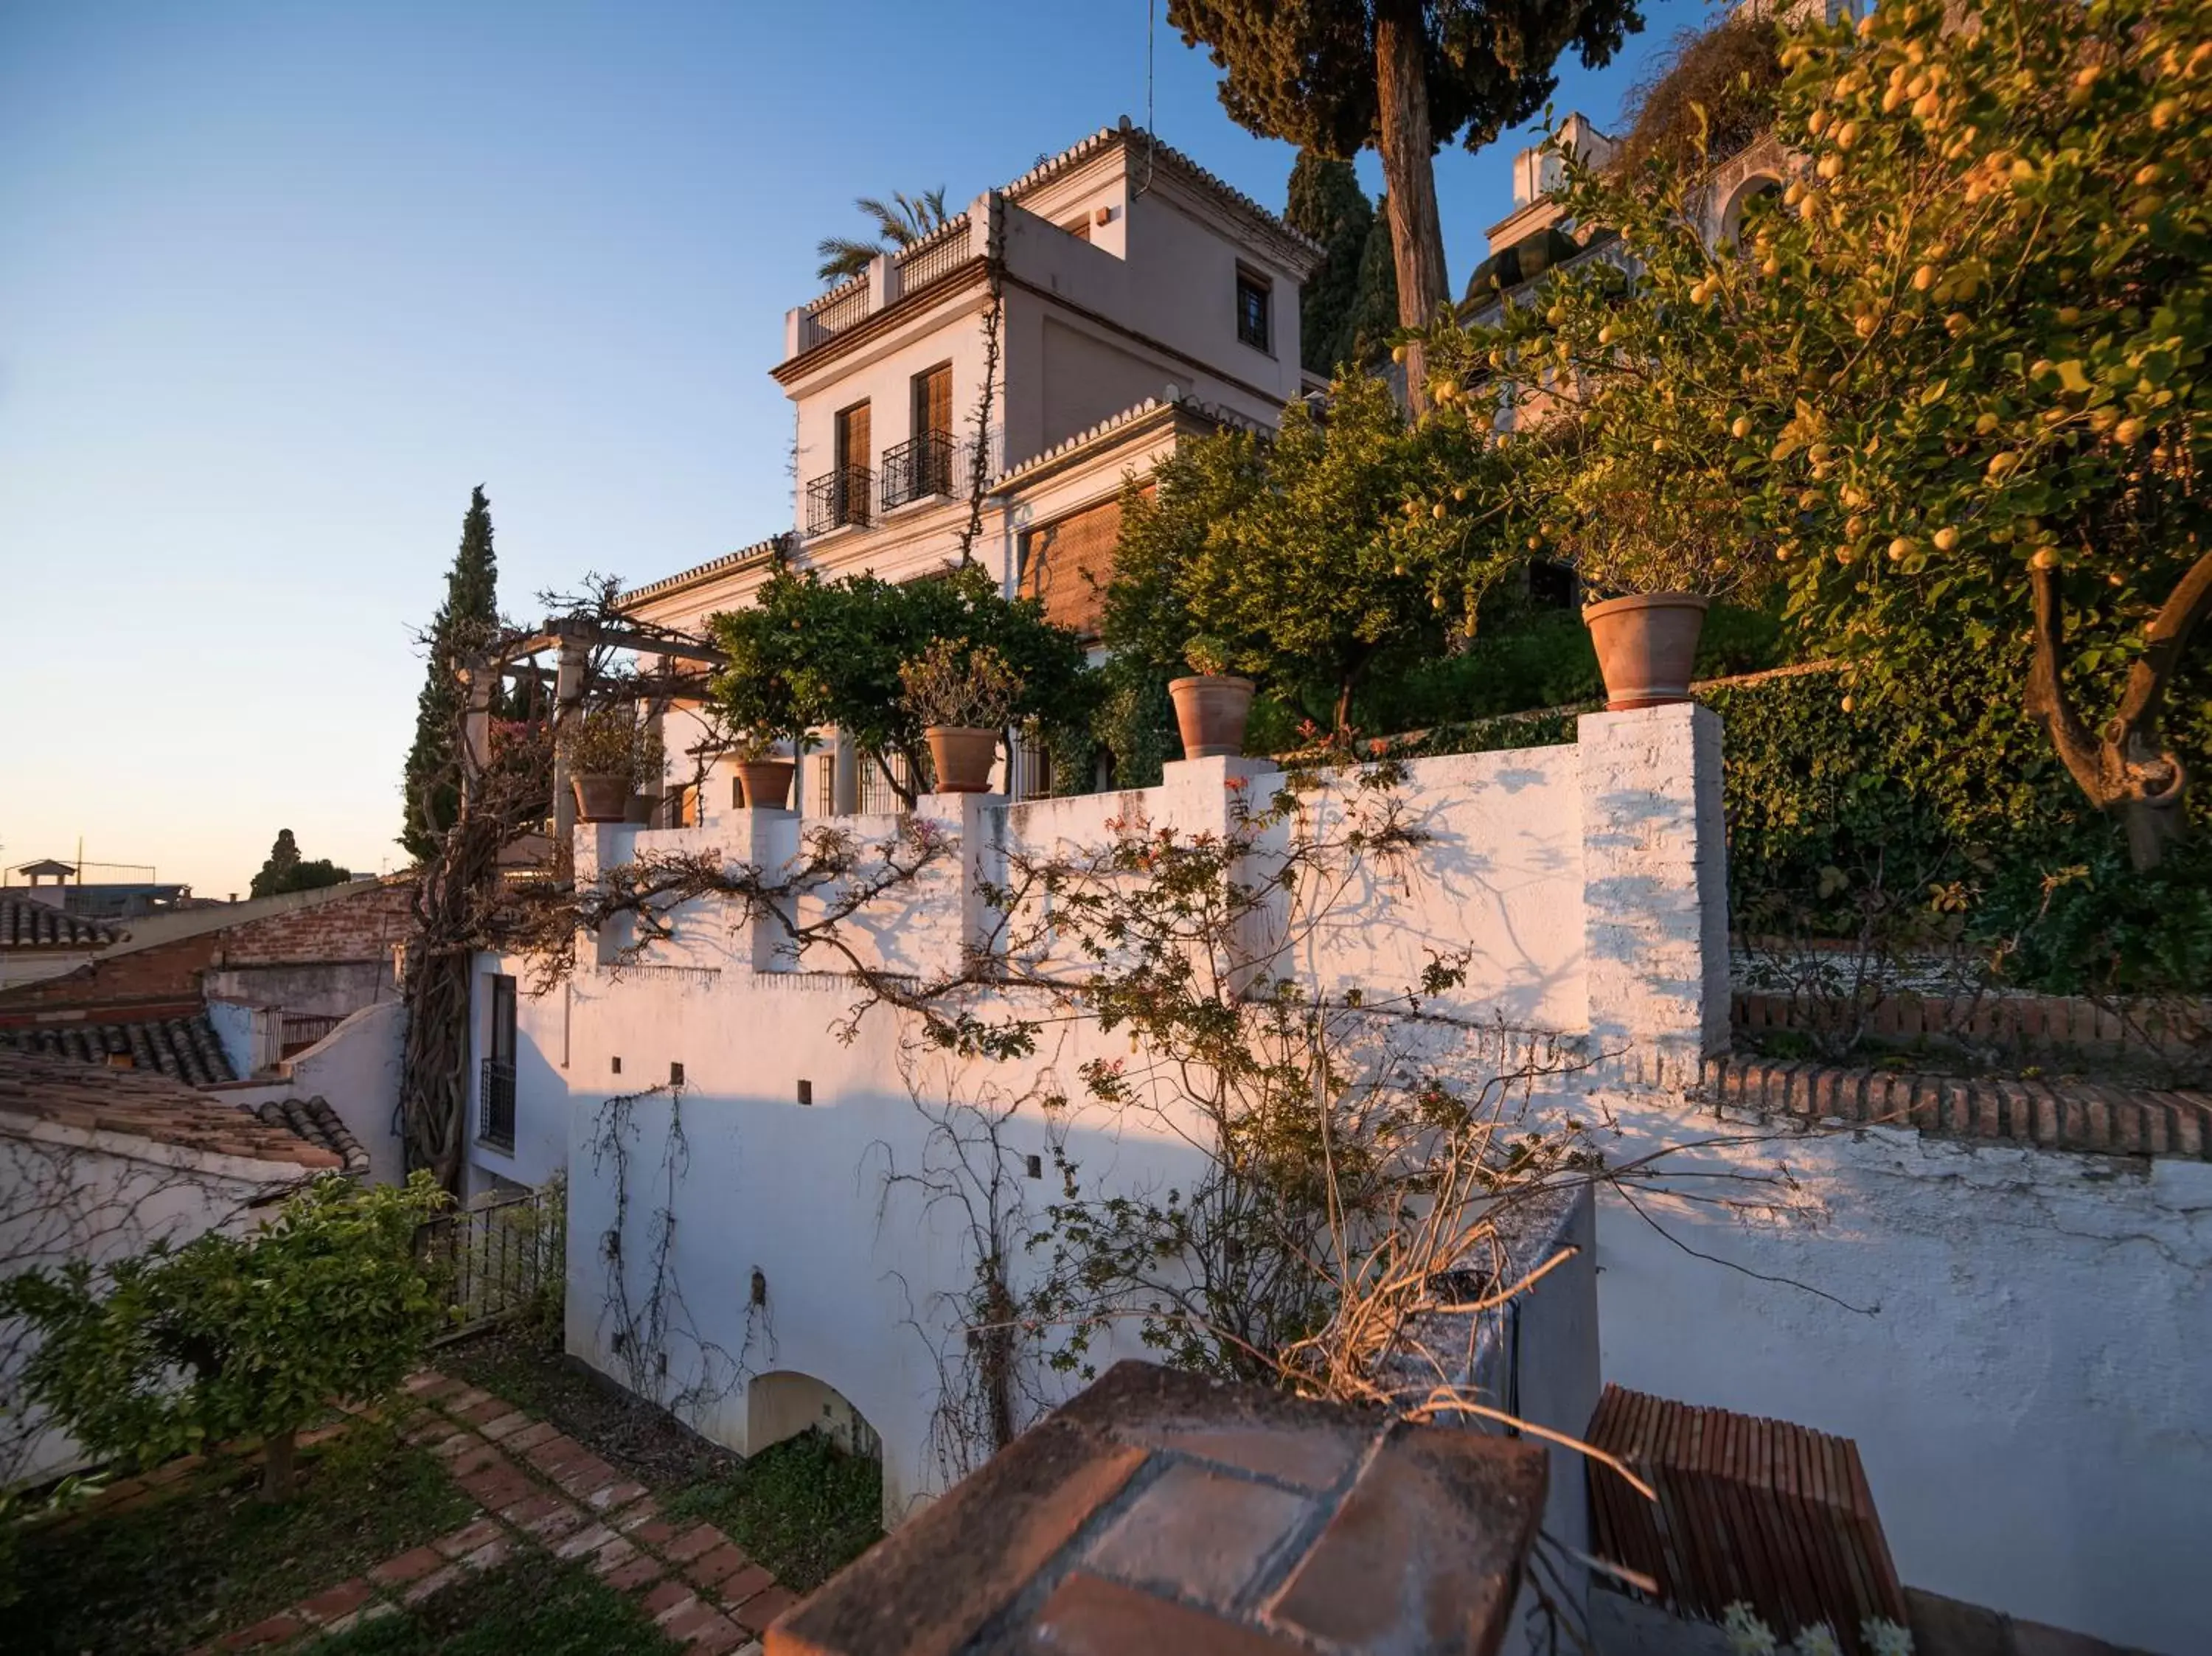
x=277, y=1466
x=1407, y=147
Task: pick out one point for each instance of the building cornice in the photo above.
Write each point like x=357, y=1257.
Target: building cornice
x=759, y=552
x=892, y=317
x=1295, y=251
x=1145, y=420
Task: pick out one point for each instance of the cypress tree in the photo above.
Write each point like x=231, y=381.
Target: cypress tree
x=1327, y=204
x=471, y=609
x=1372, y=317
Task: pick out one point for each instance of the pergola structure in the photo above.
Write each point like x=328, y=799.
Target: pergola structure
x=581, y=642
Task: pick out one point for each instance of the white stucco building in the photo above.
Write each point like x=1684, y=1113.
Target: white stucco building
x=1130, y=298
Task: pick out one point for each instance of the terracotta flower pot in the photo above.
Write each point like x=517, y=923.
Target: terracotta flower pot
x=1211, y=709
x=962, y=756
x=1646, y=647
x=766, y=783
x=601, y=799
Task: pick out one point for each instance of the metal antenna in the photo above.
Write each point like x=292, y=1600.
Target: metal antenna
x=1151, y=13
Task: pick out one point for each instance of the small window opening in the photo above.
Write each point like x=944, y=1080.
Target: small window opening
x=1253, y=297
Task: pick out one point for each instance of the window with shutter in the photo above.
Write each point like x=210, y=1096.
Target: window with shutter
x=933, y=401
x=1068, y=562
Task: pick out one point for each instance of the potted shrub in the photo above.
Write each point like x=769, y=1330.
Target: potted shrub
x=611, y=752
x=764, y=774
x=1655, y=550
x=964, y=695
x=1212, y=704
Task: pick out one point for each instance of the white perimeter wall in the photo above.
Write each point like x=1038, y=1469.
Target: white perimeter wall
x=356, y=1069
x=2017, y=1341
x=69, y=1194
x=861, y=1271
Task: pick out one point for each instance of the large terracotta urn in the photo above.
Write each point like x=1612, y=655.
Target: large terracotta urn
x=1211, y=709
x=962, y=756
x=1647, y=645
x=767, y=782
x=601, y=798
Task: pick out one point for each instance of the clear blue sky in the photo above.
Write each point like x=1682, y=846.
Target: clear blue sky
x=279, y=282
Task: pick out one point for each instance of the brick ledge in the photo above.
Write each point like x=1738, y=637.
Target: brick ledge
x=2061, y=1116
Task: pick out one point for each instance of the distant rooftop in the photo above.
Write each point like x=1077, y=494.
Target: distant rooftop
x=25, y=924
x=151, y=1108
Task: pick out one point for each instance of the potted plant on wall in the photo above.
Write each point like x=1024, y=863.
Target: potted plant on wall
x=764, y=774
x=611, y=753
x=1654, y=545
x=1212, y=704
x=963, y=694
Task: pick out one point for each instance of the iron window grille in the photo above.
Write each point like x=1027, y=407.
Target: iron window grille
x=918, y=468
x=838, y=499
x=495, y=1103
x=1252, y=306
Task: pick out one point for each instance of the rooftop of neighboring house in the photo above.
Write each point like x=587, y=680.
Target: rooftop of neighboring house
x=178, y=1042
x=160, y=1111
x=28, y=924
x=157, y=962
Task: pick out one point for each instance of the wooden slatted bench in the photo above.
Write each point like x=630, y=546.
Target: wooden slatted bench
x=1761, y=1512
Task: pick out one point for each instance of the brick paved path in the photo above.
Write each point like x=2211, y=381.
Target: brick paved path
x=539, y=1489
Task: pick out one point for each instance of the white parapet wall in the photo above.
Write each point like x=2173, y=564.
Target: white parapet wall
x=787, y=1208
x=2015, y=1338
x=2019, y=1341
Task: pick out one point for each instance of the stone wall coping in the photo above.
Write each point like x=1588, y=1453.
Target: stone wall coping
x=2090, y=1117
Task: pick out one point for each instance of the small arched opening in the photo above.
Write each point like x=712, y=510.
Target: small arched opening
x=1757, y=187
x=782, y=1405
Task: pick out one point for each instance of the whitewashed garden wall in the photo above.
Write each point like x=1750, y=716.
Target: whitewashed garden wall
x=2009, y=1334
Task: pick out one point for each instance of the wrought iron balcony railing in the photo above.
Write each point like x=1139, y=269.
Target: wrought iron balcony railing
x=495, y=1103
x=918, y=468
x=839, y=498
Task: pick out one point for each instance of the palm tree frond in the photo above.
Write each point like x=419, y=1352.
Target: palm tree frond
x=843, y=258
x=899, y=222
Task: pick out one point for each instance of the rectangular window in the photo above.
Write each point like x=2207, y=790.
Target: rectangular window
x=495, y=1115
x=855, y=447
x=1252, y=305
x=1079, y=228
x=932, y=402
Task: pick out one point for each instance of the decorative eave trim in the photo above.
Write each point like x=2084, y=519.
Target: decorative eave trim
x=1115, y=429
x=1300, y=249
x=774, y=546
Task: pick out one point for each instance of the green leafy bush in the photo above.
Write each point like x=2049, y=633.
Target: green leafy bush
x=812, y=652
x=175, y=1350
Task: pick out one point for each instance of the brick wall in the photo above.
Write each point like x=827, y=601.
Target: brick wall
x=167, y=971
x=2070, y=1115
x=2021, y=1023
x=360, y=925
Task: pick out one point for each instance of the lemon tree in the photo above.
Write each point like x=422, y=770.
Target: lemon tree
x=1951, y=384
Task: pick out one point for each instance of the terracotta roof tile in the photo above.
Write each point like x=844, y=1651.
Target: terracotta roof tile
x=149, y=1106
x=313, y=1120
x=182, y=1045
x=27, y=925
